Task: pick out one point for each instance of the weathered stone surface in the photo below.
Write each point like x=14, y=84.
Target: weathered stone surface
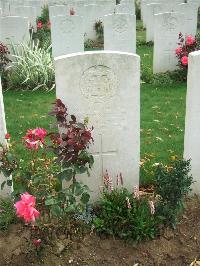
x=67, y=34
x=14, y=29
x=192, y=121
x=120, y=33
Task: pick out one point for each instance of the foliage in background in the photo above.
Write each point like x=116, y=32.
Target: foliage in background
x=53, y=158
x=98, y=26
x=4, y=57
x=165, y=78
x=7, y=213
x=173, y=184
x=43, y=33
x=137, y=10
x=32, y=68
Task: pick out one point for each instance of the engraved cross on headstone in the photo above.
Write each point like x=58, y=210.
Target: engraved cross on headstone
x=101, y=152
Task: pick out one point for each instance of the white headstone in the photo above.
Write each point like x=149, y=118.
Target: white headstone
x=6, y=191
x=92, y=14
x=58, y=10
x=106, y=89
x=120, y=33
x=67, y=35
x=77, y=6
x=191, y=15
x=192, y=122
x=166, y=32
x=27, y=11
x=152, y=9
x=38, y=4
x=14, y=29
x=169, y=6
x=130, y=4
x=194, y=1
x=123, y=8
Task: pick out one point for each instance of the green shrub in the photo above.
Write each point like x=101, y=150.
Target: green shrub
x=116, y=219
x=173, y=183
x=7, y=213
x=146, y=74
x=44, y=18
x=32, y=68
x=98, y=26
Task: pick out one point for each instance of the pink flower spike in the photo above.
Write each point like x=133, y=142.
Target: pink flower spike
x=136, y=193
x=152, y=207
x=128, y=203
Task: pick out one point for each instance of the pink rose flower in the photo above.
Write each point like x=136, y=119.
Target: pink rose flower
x=25, y=208
x=178, y=50
x=35, y=138
x=184, y=60
x=190, y=40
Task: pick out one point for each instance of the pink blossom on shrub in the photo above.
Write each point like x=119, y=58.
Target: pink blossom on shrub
x=185, y=47
x=178, y=50
x=25, y=208
x=184, y=60
x=190, y=40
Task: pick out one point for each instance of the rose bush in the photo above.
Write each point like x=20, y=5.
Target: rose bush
x=55, y=156
x=186, y=46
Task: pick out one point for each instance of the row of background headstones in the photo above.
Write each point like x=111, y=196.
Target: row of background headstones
x=119, y=30
x=69, y=32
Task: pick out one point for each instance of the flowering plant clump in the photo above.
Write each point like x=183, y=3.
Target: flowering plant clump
x=4, y=56
x=124, y=214
x=139, y=214
x=54, y=156
x=186, y=46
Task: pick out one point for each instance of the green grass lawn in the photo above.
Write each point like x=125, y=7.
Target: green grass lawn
x=162, y=116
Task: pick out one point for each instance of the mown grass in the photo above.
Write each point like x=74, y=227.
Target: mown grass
x=162, y=116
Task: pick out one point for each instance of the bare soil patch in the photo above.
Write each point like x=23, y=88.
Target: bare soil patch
x=177, y=247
